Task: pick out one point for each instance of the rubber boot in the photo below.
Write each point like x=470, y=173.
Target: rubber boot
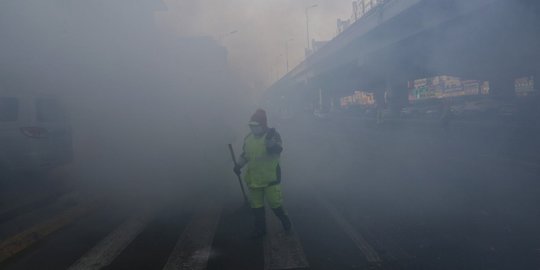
x=283, y=217
x=259, y=224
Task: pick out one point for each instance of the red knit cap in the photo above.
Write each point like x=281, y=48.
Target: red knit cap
x=260, y=117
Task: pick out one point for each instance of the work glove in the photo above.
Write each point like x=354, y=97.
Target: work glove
x=237, y=169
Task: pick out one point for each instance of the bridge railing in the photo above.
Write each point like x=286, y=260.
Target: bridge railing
x=363, y=8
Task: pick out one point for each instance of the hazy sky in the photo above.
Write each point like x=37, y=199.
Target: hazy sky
x=258, y=50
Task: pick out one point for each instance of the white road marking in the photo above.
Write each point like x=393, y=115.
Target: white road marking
x=393, y=252
x=112, y=245
x=282, y=250
x=194, y=246
x=369, y=252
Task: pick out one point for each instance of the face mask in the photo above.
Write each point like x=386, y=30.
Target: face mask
x=257, y=130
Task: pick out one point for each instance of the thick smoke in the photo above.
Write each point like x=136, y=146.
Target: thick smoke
x=149, y=110
x=258, y=49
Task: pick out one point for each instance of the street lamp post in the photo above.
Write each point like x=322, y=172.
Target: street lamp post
x=287, y=52
x=277, y=66
x=307, y=24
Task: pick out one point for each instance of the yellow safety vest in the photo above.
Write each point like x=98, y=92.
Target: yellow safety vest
x=261, y=167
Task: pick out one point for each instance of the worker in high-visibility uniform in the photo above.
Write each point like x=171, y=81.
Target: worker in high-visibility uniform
x=261, y=153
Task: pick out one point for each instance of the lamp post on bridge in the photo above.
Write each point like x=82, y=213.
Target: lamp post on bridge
x=287, y=52
x=307, y=24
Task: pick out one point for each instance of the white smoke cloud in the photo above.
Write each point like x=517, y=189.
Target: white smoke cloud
x=258, y=49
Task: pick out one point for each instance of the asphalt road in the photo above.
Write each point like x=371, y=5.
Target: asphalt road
x=359, y=196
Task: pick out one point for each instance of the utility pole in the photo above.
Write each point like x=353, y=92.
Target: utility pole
x=307, y=25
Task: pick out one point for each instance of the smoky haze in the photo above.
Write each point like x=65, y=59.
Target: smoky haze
x=258, y=49
x=397, y=177
x=156, y=106
x=146, y=108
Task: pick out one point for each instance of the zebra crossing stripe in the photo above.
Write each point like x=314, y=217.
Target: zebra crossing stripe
x=112, y=245
x=369, y=252
x=194, y=246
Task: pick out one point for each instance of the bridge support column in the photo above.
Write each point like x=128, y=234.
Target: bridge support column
x=395, y=94
x=501, y=86
x=398, y=96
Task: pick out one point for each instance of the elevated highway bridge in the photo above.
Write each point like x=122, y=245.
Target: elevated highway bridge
x=404, y=40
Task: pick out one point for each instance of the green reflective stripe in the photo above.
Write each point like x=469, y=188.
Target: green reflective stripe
x=261, y=167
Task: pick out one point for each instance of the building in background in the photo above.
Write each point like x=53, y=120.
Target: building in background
x=359, y=98
x=444, y=87
x=524, y=86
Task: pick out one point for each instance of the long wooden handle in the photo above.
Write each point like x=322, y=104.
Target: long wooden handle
x=232, y=154
x=238, y=175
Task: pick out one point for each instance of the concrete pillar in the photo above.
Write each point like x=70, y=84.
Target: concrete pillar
x=399, y=96
x=502, y=86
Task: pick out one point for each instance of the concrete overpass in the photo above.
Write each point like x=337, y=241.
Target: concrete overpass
x=402, y=40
